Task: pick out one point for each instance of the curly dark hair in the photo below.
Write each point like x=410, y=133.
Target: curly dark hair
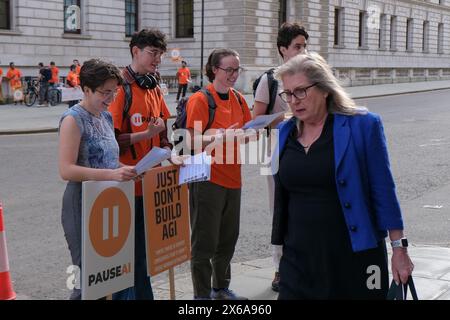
x=214, y=60
x=95, y=72
x=148, y=37
x=288, y=32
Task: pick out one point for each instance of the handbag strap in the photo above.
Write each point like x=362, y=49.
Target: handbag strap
x=400, y=292
x=412, y=288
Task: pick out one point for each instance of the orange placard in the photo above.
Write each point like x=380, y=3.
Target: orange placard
x=166, y=208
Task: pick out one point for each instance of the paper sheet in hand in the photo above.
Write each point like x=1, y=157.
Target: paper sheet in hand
x=196, y=168
x=263, y=121
x=151, y=159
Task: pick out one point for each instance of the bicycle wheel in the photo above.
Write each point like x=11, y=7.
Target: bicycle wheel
x=54, y=97
x=30, y=98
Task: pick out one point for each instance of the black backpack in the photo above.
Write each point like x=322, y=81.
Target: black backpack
x=181, y=117
x=272, y=86
x=46, y=74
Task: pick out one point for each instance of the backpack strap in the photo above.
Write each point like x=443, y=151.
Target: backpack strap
x=212, y=105
x=238, y=96
x=126, y=108
x=273, y=88
x=211, y=108
x=128, y=100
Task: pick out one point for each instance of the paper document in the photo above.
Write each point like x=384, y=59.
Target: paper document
x=196, y=168
x=263, y=121
x=151, y=159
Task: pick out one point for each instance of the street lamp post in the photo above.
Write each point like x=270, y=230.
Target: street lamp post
x=201, y=45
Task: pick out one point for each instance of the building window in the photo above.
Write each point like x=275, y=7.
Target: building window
x=409, y=34
x=440, y=38
x=5, y=14
x=282, y=14
x=362, y=39
x=425, y=36
x=131, y=17
x=184, y=12
x=393, y=34
x=382, y=32
x=338, y=29
x=72, y=16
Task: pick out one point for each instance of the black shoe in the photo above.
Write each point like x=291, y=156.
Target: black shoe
x=276, y=282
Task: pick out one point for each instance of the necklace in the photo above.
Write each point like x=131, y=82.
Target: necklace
x=312, y=141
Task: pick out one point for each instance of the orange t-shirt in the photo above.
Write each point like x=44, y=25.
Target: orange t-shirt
x=228, y=112
x=55, y=75
x=14, y=78
x=146, y=104
x=73, y=79
x=78, y=69
x=184, y=74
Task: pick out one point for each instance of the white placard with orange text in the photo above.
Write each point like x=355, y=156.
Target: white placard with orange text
x=107, y=238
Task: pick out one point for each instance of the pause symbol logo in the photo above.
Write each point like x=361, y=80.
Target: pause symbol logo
x=110, y=222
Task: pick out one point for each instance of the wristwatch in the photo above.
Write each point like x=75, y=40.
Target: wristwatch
x=401, y=243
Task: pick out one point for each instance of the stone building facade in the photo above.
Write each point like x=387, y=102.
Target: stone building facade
x=366, y=42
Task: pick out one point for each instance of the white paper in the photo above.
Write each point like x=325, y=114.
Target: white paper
x=151, y=159
x=70, y=94
x=263, y=121
x=196, y=168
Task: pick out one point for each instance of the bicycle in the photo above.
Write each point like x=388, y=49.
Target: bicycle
x=54, y=96
x=32, y=94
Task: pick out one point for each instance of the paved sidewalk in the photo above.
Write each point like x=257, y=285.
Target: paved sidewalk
x=252, y=279
x=20, y=119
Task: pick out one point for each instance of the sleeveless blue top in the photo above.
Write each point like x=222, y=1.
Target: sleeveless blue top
x=98, y=145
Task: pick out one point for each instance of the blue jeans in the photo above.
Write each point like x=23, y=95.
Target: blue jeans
x=142, y=289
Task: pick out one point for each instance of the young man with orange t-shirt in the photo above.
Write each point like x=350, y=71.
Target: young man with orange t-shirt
x=14, y=76
x=142, y=129
x=77, y=66
x=73, y=80
x=215, y=204
x=184, y=77
x=55, y=75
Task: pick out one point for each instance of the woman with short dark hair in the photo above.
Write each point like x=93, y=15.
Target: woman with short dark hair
x=87, y=147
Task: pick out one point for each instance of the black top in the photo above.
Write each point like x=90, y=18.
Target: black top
x=318, y=261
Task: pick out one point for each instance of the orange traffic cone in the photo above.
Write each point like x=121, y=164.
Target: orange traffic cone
x=6, y=289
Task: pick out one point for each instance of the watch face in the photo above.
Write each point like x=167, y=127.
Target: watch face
x=404, y=242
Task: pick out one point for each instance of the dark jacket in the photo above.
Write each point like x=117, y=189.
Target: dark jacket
x=364, y=181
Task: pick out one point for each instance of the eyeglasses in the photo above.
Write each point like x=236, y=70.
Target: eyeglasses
x=299, y=93
x=107, y=94
x=155, y=53
x=230, y=71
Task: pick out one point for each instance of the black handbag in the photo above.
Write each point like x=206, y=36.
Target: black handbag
x=400, y=291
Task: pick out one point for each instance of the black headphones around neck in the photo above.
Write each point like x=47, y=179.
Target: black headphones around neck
x=146, y=81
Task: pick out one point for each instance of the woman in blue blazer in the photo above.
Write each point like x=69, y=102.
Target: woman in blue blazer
x=335, y=198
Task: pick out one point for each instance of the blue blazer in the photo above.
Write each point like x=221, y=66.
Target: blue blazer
x=364, y=180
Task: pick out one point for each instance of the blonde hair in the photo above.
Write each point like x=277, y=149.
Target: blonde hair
x=317, y=70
